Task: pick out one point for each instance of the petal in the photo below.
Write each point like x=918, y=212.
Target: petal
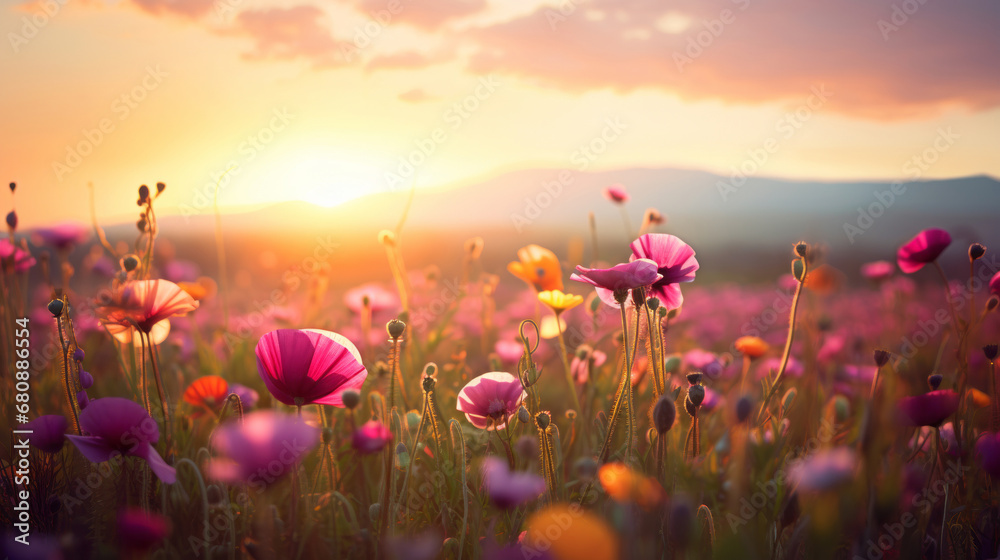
x=92, y=447
x=163, y=471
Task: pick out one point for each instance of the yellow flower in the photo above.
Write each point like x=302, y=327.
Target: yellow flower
x=558, y=301
x=539, y=267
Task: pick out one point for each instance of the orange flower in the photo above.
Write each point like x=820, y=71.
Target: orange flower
x=207, y=392
x=752, y=346
x=539, y=267
x=824, y=279
x=141, y=304
x=979, y=398
x=626, y=485
x=568, y=532
x=204, y=288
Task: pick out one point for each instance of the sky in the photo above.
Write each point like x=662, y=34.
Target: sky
x=324, y=101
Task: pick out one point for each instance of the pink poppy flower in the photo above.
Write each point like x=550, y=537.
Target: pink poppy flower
x=22, y=259
x=489, y=400
x=929, y=409
x=674, y=260
x=624, y=276
x=616, y=193
x=63, y=236
x=117, y=426
x=261, y=450
x=923, y=249
x=371, y=437
x=509, y=351
x=995, y=284
x=878, y=271
x=309, y=366
x=142, y=304
x=379, y=298
x=581, y=366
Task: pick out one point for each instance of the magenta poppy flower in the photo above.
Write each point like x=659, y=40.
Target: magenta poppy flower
x=22, y=259
x=371, y=437
x=674, y=260
x=379, y=298
x=139, y=531
x=988, y=452
x=929, y=409
x=509, y=351
x=995, y=284
x=261, y=450
x=624, y=276
x=117, y=426
x=489, y=400
x=877, y=271
x=508, y=489
x=923, y=249
x=47, y=432
x=63, y=236
x=309, y=366
x=616, y=193
x=824, y=470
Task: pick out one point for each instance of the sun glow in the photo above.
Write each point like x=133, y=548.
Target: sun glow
x=324, y=180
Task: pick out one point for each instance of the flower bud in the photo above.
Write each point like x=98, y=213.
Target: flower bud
x=976, y=251
x=671, y=364
x=690, y=407
x=653, y=303
x=664, y=414
x=744, y=407
x=788, y=399
x=374, y=512
x=56, y=307
x=395, y=328
x=621, y=295
x=882, y=357
x=143, y=194
x=695, y=377
x=542, y=420
x=990, y=350
x=992, y=303
x=351, y=399
x=12, y=219
x=523, y=415
x=934, y=381
x=13, y=186
x=428, y=383
x=430, y=369
x=801, y=248
x=696, y=393
x=130, y=262
x=673, y=313
x=160, y=188
x=78, y=355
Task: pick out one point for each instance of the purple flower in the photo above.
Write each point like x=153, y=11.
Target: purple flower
x=929, y=409
x=988, y=452
x=139, y=531
x=47, y=432
x=63, y=236
x=624, y=276
x=117, y=426
x=510, y=489
x=922, y=249
x=371, y=437
x=489, y=400
x=824, y=470
x=248, y=397
x=22, y=259
x=674, y=260
x=261, y=450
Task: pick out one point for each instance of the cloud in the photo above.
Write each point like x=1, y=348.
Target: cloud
x=424, y=15
x=193, y=9
x=416, y=95
x=406, y=60
x=741, y=51
x=290, y=34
